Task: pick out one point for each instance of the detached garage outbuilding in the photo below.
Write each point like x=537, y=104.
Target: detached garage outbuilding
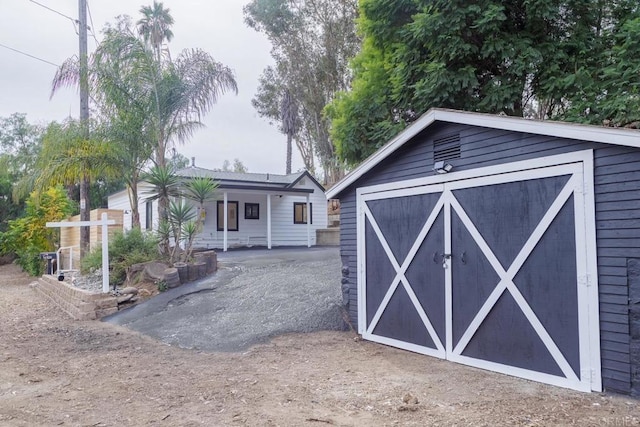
x=502, y=243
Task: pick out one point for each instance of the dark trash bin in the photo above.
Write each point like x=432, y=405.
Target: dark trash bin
x=50, y=257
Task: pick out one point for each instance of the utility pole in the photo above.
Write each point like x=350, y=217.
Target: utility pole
x=84, y=122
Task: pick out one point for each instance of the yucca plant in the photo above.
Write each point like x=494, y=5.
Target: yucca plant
x=179, y=214
x=189, y=231
x=200, y=190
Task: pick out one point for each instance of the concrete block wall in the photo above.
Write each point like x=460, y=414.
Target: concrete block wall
x=77, y=303
x=328, y=237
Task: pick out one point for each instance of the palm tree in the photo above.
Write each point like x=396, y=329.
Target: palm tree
x=155, y=27
x=166, y=99
x=68, y=157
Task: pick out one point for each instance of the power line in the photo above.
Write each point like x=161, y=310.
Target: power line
x=75, y=21
x=29, y=55
x=92, y=28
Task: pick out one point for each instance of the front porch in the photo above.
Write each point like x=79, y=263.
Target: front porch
x=245, y=218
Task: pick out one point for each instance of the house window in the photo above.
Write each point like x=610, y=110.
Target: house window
x=232, y=216
x=251, y=211
x=148, y=215
x=300, y=213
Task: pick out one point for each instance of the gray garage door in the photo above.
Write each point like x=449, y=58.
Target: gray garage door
x=488, y=271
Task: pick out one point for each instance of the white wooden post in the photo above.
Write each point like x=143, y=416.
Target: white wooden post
x=269, y=221
x=104, y=223
x=308, y=222
x=225, y=216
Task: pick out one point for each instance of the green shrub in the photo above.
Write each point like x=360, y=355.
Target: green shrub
x=162, y=286
x=28, y=235
x=125, y=249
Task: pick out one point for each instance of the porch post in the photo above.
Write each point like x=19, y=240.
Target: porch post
x=224, y=215
x=308, y=222
x=269, y=221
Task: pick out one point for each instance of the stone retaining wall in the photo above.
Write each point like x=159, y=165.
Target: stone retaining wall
x=78, y=303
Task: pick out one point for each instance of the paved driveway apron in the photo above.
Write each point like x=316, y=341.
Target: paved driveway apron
x=256, y=294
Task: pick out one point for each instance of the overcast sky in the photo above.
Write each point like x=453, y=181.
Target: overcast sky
x=233, y=128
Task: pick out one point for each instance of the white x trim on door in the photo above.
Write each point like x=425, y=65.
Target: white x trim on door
x=589, y=376
x=401, y=278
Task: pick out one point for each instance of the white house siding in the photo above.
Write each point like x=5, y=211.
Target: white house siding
x=284, y=231
x=251, y=232
x=120, y=200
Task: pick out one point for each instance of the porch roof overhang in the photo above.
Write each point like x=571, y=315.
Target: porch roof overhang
x=263, y=189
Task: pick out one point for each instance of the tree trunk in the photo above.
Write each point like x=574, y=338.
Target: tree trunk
x=289, y=152
x=85, y=209
x=133, y=201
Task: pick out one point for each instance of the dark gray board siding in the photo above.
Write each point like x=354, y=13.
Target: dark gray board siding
x=617, y=195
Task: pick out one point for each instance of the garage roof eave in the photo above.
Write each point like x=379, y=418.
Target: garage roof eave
x=591, y=133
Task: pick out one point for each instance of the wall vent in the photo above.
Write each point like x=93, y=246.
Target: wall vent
x=446, y=148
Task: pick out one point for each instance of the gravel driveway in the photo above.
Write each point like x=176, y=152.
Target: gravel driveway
x=255, y=295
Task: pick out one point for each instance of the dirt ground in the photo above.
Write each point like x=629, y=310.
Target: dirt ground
x=56, y=371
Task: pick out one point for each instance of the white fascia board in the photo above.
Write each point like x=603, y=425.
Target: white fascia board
x=590, y=133
x=382, y=153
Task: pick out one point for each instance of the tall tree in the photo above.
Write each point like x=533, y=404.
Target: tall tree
x=517, y=57
x=237, y=166
x=155, y=27
x=290, y=123
x=312, y=41
x=68, y=157
x=20, y=142
x=155, y=99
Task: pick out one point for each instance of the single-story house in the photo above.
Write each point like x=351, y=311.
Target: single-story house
x=251, y=209
x=502, y=243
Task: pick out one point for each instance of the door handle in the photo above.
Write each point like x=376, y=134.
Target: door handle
x=440, y=258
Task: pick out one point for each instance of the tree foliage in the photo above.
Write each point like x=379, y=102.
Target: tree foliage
x=149, y=100
x=20, y=144
x=541, y=58
x=155, y=26
x=312, y=41
x=28, y=235
x=237, y=166
x=68, y=156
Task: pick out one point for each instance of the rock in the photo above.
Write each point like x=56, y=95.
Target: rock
x=410, y=399
x=155, y=271
x=345, y=270
x=125, y=298
x=129, y=290
x=144, y=293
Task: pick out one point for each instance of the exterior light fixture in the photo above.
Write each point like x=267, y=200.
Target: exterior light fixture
x=442, y=167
